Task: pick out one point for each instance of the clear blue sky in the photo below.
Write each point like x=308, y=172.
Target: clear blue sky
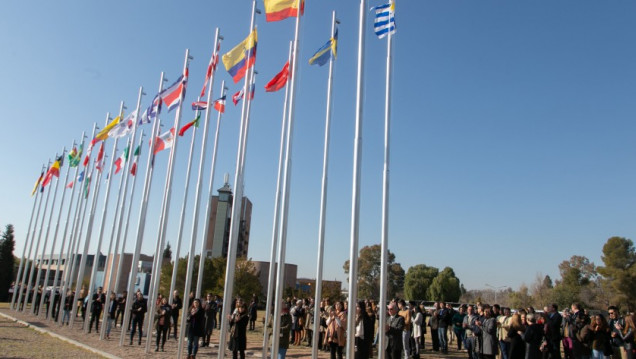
x=513, y=122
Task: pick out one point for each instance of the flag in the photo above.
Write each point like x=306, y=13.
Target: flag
x=384, y=19
x=237, y=96
x=54, y=170
x=214, y=60
x=279, y=81
x=119, y=162
x=100, y=156
x=103, y=134
x=325, y=53
x=37, y=183
x=70, y=184
x=172, y=95
x=80, y=177
x=164, y=141
x=133, y=168
x=188, y=125
x=199, y=105
x=277, y=10
x=87, y=185
x=236, y=60
x=219, y=104
x=75, y=156
x=124, y=127
x=151, y=113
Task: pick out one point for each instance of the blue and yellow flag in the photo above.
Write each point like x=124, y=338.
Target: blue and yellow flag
x=324, y=53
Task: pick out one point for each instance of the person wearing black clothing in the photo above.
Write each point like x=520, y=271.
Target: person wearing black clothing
x=553, y=332
x=177, y=304
x=121, y=307
x=139, y=308
x=238, y=335
x=110, y=314
x=96, y=309
x=394, y=329
x=209, y=308
x=163, y=322
x=433, y=322
x=68, y=306
x=251, y=312
x=195, y=321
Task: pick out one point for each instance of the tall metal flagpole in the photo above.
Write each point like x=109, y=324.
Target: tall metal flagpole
x=355, y=200
x=58, y=271
x=37, y=246
x=384, y=257
x=87, y=240
x=163, y=224
x=141, y=223
x=46, y=241
x=102, y=225
x=217, y=38
x=282, y=241
x=57, y=226
x=69, y=262
x=119, y=212
x=236, y=204
x=271, y=284
x=23, y=260
x=323, y=197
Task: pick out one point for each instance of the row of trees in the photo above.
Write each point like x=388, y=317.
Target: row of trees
x=7, y=262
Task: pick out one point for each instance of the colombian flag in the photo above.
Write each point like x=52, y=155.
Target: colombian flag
x=277, y=10
x=236, y=60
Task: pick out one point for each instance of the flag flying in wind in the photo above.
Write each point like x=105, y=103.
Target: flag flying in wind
x=164, y=141
x=151, y=113
x=37, y=183
x=54, y=170
x=238, y=96
x=324, y=54
x=99, y=163
x=119, y=162
x=199, y=105
x=87, y=185
x=133, y=168
x=70, y=184
x=219, y=104
x=75, y=156
x=188, y=125
x=241, y=57
x=124, y=127
x=279, y=81
x=103, y=134
x=172, y=95
x=384, y=19
x=214, y=60
x=276, y=10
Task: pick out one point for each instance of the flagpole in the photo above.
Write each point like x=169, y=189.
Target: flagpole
x=141, y=223
x=24, y=259
x=57, y=226
x=271, y=284
x=58, y=272
x=286, y=186
x=323, y=196
x=87, y=240
x=384, y=257
x=217, y=38
x=119, y=214
x=156, y=274
x=46, y=240
x=78, y=219
x=355, y=200
x=236, y=204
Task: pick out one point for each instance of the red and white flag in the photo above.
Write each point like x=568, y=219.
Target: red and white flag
x=214, y=60
x=164, y=141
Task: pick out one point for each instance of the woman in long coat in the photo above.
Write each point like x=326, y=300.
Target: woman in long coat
x=489, y=348
x=195, y=327
x=238, y=335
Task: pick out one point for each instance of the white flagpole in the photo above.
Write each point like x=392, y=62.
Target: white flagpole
x=87, y=240
x=24, y=259
x=236, y=204
x=355, y=200
x=46, y=241
x=141, y=223
x=163, y=224
x=58, y=271
x=119, y=213
x=282, y=241
x=102, y=225
x=57, y=226
x=384, y=256
x=271, y=284
x=323, y=198
x=78, y=218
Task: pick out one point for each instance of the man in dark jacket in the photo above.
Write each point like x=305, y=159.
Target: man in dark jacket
x=616, y=324
x=139, y=308
x=433, y=322
x=394, y=329
x=553, y=332
x=209, y=309
x=96, y=309
x=177, y=304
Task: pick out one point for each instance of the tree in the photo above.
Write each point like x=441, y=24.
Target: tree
x=445, y=287
x=246, y=280
x=7, y=245
x=520, y=299
x=542, y=291
x=369, y=273
x=418, y=280
x=619, y=270
x=578, y=276
x=167, y=254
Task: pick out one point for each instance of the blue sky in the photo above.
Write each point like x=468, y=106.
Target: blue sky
x=512, y=133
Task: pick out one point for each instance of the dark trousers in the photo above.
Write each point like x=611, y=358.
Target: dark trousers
x=136, y=323
x=175, y=321
x=335, y=350
x=94, y=318
x=394, y=351
x=361, y=349
x=238, y=353
x=162, y=332
x=121, y=323
x=435, y=338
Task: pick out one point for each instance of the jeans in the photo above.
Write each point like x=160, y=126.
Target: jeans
x=406, y=344
x=136, y=323
x=459, y=334
x=598, y=354
x=66, y=316
x=470, y=343
x=443, y=339
x=505, y=348
x=193, y=344
x=109, y=324
x=282, y=352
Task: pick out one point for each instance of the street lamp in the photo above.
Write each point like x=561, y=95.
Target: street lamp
x=496, y=289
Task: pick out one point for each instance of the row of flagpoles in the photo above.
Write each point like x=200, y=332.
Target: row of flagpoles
x=240, y=63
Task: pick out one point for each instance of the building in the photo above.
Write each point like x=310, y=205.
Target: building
x=308, y=286
x=218, y=237
x=262, y=269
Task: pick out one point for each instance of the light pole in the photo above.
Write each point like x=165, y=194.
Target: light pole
x=496, y=289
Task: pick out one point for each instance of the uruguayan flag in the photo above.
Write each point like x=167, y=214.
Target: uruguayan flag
x=384, y=19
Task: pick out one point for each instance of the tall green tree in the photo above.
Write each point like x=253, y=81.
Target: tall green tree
x=619, y=270
x=445, y=286
x=7, y=245
x=578, y=276
x=418, y=280
x=369, y=273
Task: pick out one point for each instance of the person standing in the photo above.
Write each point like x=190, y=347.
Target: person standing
x=335, y=336
x=503, y=325
x=110, y=313
x=405, y=313
x=470, y=327
x=394, y=329
x=139, y=308
x=163, y=322
x=238, y=331
x=627, y=335
x=96, y=309
x=458, y=329
x=177, y=304
x=121, y=307
x=616, y=324
x=553, y=332
x=209, y=308
x=251, y=312
x=433, y=322
x=195, y=326
x=285, y=327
